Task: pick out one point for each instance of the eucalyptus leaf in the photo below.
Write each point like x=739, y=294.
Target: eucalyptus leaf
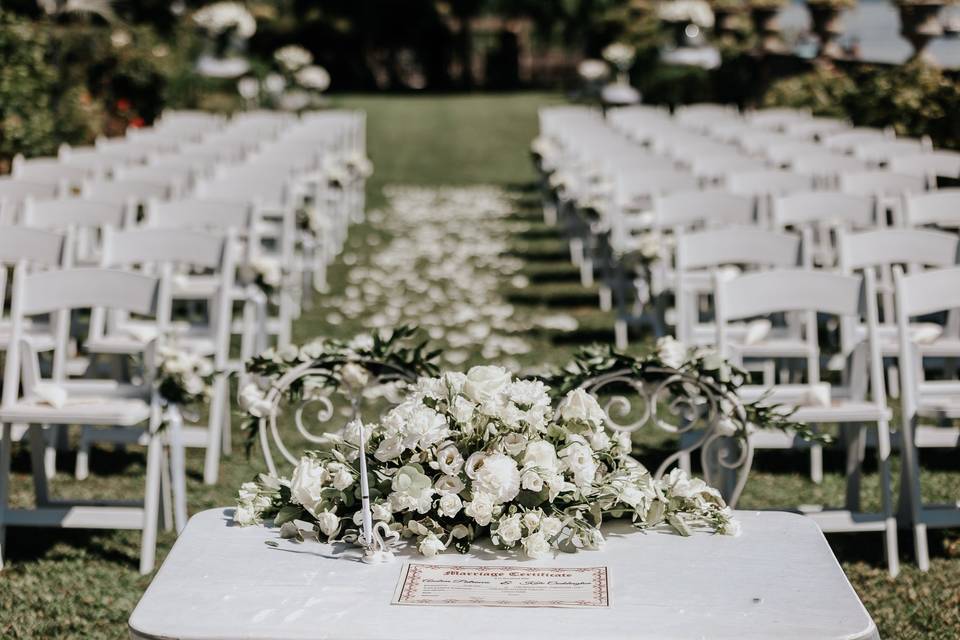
x=288, y=513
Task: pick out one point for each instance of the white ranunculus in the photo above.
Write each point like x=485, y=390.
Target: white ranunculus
x=536, y=545
x=578, y=459
x=431, y=545
x=509, y=530
x=449, y=460
x=599, y=440
x=329, y=523
x=480, y=508
x=500, y=477
x=484, y=383
x=309, y=479
x=580, y=406
x=448, y=484
x=450, y=505
x=389, y=448
x=514, y=443
x=671, y=352
x=542, y=455
x=244, y=515
x=551, y=526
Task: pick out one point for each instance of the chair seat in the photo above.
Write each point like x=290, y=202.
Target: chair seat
x=815, y=403
x=41, y=339
x=927, y=436
x=775, y=348
x=79, y=410
x=939, y=407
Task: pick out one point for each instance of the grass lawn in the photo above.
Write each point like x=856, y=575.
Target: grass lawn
x=85, y=583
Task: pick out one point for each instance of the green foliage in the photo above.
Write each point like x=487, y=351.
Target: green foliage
x=824, y=90
x=27, y=84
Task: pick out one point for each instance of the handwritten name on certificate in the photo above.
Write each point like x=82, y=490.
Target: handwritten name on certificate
x=510, y=586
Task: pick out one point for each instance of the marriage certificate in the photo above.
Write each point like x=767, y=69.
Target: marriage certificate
x=501, y=586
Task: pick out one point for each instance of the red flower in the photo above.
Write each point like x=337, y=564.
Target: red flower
x=123, y=104
x=137, y=122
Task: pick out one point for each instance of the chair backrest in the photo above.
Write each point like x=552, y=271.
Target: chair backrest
x=815, y=128
x=940, y=208
x=845, y=141
x=76, y=212
x=768, y=182
x=884, y=247
x=201, y=213
x=127, y=191
x=884, y=150
x=943, y=164
x=877, y=182
x=631, y=186
x=742, y=246
x=824, y=207
x=824, y=164
x=34, y=247
x=784, y=290
x=44, y=169
x=701, y=208
x=145, y=246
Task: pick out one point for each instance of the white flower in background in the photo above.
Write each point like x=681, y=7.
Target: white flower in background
x=592, y=70
x=483, y=383
x=314, y=78
x=358, y=163
x=542, y=455
x=671, y=352
x=354, y=375
x=696, y=11
x=253, y=401
x=580, y=406
x=274, y=83
x=536, y=545
x=120, y=38
x=329, y=523
x=309, y=480
x=292, y=57
x=431, y=545
x=462, y=410
x=619, y=55
x=412, y=482
x=221, y=16
x=450, y=505
x=499, y=477
x=248, y=88
x=342, y=478
x=480, y=508
x=531, y=480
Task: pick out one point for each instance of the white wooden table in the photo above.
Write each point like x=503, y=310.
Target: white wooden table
x=779, y=579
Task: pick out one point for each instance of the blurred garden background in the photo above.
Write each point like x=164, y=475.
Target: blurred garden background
x=451, y=91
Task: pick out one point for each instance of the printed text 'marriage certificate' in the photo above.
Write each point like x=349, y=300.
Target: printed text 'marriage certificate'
x=502, y=586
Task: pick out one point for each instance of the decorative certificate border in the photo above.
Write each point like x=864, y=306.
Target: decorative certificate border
x=409, y=589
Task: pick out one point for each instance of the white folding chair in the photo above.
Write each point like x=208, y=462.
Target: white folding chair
x=91, y=402
x=931, y=165
x=765, y=184
x=826, y=167
x=880, y=153
x=929, y=408
x=13, y=192
x=85, y=216
x=823, y=212
x=889, y=188
x=864, y=402
x=846, y=141
x=45, y=169
x=939, y=208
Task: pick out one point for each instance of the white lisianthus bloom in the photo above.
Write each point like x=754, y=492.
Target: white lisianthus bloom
x=329, y=523
x=500, y=477
x=309, y=479
x=449, y=460
x=474, y=462
x=485, y=382
x=312, y=350
x=480, y=508
x=244, y=515
x=671, y=352
x=580, y=406
x=509, y=530
x=289, y=353
x=578, y=459
x=551, y=526
x=448, y=484
x=540, y=454
x=536, y=545
x=450, y=505
x=431, y=545
x=351, y=433
x=514, y=443
x=388, y=449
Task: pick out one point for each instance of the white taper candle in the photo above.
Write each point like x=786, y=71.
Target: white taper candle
x=365, y=490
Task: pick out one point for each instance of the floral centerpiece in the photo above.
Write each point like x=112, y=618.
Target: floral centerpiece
x=183, y=378
x=535, y=464
x=228, y=25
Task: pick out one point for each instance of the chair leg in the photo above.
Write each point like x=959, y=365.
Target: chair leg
x=855, y=440
x=151, y=506
x=620, y=337
x=576, y=251
x=166, y=495
x=586, y=271
x=911, y=502
x=82, y=468
x=606, y=298
x=38, y=445
x=211, y=462
x=227, y=443
x=5, y=446
x=50, y=450
x=816, y=463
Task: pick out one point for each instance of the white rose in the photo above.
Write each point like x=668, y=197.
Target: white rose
x=448, y=484
x=599, y=440
x=671, y=352
x=450, y=505
x=541, y=454
x=308, y=481
x=389, y=449
x=381, y=511
x=536, y=545
x=578, y=460
x=244, y=515
x=462, y=409
x=480, y=508
x=580, y=406
x=531, y=520
x=354, y=375
x=329, y=523
x=514, y=443
x=483, y=383
x=342, y=479
x=449, y=460
x=431, y=545
x=551, y=526
x=509, y=529
x=531, y=481
x=500, y=477
x=474, y=462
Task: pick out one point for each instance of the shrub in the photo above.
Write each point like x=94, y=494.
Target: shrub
x=824, y=90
